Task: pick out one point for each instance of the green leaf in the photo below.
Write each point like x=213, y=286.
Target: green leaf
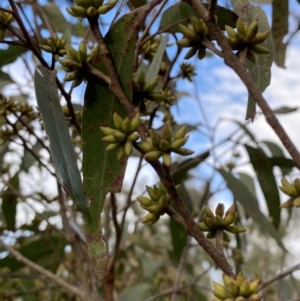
x=58, y=132
x=179, y=239
x=9, y=203
x=5, y=79
x=249, y=183
x=267, y=182
x=102, y=173
x=278, y=158
x=157, y=59
x=280, y=28
x=57, y=21
x=28, y=159
x=36, y=250
x=244, y=196
x=246, y=130
x=261, y=70
x=182, y=12
x=285, y=110
x=139, y=292
x=10, y=54
x=180, y=171
x=27, y=286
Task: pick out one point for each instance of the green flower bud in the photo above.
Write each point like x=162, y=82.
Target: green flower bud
x=244, y=288
x=154, y=209
x=235, y=229
x=126, y=126
x=112, y=146
x=153, y=155
x=202, y=226
x=135, y=122
x=146, y=202
x=107, y=131
x=252, y=31
x=128, y=147
x=109, y=139
x=180, y=133
x=220, y=210
x=167, y=159
x=118, y=121
x=121, y=154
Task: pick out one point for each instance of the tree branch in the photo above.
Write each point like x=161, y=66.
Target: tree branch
x=19, y=257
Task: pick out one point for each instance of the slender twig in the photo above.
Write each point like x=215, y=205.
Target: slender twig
x=280, y=276
x=152, y=20
x=19, y=257
x=98, y=73
x=212, y=9
x=232, y=61
x=180, y=268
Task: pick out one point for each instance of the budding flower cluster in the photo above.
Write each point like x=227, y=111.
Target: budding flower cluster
x=292, y=190
x=216, y=222
x=150, y=47
x=164, y=144
x=75, y=61
x=239, y=289
x=194, y=34
x=55, y=45
x=187, y=71
x=5, y=20
x=146, y=90
x=90, y=8
x=122, y=137
x=159, y=199
x=247, y=37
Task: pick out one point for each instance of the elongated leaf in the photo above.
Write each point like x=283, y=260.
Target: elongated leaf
x=5, y=79
x=139, y=292
x=57, y=21
x=246, y=130
x=57, y=130
x=180, y=171
x=157, y=59
x=278, y=158
x=102, y=173
x=10, y=54
x=9, y=203
x=249, y=183
x=182, y=12
x=260, y=71
x=244, y=196
x=280, y=28
x=267, y=182
x=285, y=110
x=179, y=239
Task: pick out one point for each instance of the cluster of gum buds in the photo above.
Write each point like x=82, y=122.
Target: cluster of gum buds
x=164, y=144
x=90, y=8
x=149, y=48
x=187, y=71
x=122, y=137
x=239, y=289
x=218, y=222
x=55, y=45
x=293, y=191
x=146, y=90
x=194, y=34
x=5, y=20
x=247, y=37
x=159, y=199
x=75, y=62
